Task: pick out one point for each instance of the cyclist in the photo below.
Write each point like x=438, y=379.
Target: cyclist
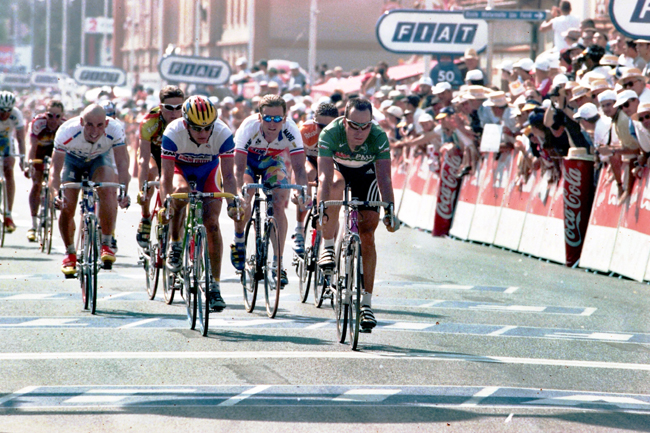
x=111, y=111
x=82, y=146
x=310, y=131
x=355, y=150
x=41, y=138
x=196, y=148
x=151, y=134
x=11, y=119
x=259, y=146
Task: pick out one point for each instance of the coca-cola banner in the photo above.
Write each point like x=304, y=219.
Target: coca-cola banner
x=578, y=197
x=447, y=191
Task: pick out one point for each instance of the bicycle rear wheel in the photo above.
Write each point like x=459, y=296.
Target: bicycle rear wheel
x=48, y=222
x=152, y=260
x=93, y=268
x=4, y=208
x=341, y=305
x=189, y=289
x=272, y=271
x=355, y=271
x=202, y=273
x=43, y=210
x=82, y=265
x=249, y=276
x=303, y=266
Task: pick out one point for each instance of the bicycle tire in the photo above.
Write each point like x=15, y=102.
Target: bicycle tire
x=340, y=308
x=93, y=267
x=203, y=272
x=50, y=226
x=151, y=260
x=303, y=263
x=249, y=276
x=167, y=277
x=272, y=283
x=189, y=292
x=43, y=210
x=3, y=210
x=316, y=274
x=82, y=267
x=355, y=270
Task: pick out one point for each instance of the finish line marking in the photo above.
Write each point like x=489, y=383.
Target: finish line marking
x=323, y=355
x=244, y=395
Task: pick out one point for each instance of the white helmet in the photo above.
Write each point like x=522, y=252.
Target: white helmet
x=7, y=100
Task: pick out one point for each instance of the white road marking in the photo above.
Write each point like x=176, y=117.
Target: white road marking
x=592, y=336
x=511, y=290
x=320, y=325
x=46, y=323
x=453, y=287
x=367, y=395
x=408, y=325
x=520, y=308
x=138, y=323
x=24, y=356
x=116, y=295
x=29, y=296
x=243, y=396
x=431, y=304
x=480, y=396
x=99, y=396
x=509, y=418
x=502, y=330
x=246, y=323
x=14, y=277
x=588, y=311
x=18, y=393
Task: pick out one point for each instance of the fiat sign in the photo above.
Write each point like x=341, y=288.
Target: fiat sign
x=430, y=32
x=194, y=70
x=631, y=17
x=99, y=76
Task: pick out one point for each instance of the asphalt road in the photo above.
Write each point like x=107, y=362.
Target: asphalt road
x=470, y=338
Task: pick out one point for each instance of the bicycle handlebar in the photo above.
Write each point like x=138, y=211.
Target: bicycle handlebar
x=388, y=207
x=186, y=195
x=269, y=188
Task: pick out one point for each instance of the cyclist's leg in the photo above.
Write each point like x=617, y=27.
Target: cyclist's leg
x=72, y=171
x=330, y=222
x=11, y=182
x=368, y=221
x=107, y=199
x=211, y=212
x=176, y=224
x=238, y=247
x=312, y=172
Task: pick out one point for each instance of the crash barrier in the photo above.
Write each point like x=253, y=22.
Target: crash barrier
x=536, y=215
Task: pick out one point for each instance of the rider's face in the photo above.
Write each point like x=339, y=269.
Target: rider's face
x=94, y=126
x=170, y=115
x=358, y=131
x=271, y=130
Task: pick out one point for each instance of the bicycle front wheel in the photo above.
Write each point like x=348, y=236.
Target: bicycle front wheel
x=249, y=276
x=189, y=289
x=48, y=223
x=82, y=264
x=93, y=267
x=41, y=228
x=4, y=209
x=303, y=263
x=272, y=268
x=202, y=274
x=355, y=271
x=152, y=260
x=341, y=303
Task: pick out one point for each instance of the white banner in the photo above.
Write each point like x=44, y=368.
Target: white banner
x=194, y=70
x=99, y=25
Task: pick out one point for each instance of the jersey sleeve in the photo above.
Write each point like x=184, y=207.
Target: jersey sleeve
x=17, y=118
x=61, y=138
x=37, y=126
x=292, y=133
x=327, y=142
x=383, y=148
x=169, y=148
x=148, y=127
x=116, y=134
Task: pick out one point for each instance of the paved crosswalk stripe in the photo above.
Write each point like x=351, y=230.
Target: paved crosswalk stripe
x=30, y=296
x=480, y=396
x=502, y=330
x=367, y=395
x=511, y=290
x=115, y=295
x=244, y=395
x=16, y=394
x=138, y=323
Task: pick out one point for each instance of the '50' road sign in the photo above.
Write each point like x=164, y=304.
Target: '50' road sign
x=430, y=32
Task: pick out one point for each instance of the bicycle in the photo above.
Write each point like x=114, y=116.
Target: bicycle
x=4, y=200
x=347, y=280
x=46, y=211
x=259, y=263
x=309, y=274
x=153, y=256
x=194, y=277
x=89, y=238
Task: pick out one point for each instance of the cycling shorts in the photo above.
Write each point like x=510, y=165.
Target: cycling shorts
x=313, y=160
x=272, y=170
x=75, y=167
x=41, y=153
x=155, y=154
x=363, y=183
x=206, y=176
x=6, y=147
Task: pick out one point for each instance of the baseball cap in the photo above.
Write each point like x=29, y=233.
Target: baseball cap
x=441, y=87
x=294, y=65
x=395, y=111
x=559, y=79
x=542, y=65
x=625, y=96
x=526, y=64
x=426, y=117
x=586, y=112
x=506, y=66
x=474, y=75
x=607, y=95
x=426, y=81
x=241, y=61
x=446, y=111
x=287, y=97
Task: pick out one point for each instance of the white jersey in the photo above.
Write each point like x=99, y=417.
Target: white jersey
x=15, y=121
x=70, y=139
x=177, y=145
x=249, y=138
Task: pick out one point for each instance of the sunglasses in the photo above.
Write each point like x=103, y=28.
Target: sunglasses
x=5, y=110
x=626, y=105
x=644, y=118
x=201, y=128
x=276, y=119
x=358, y=126
x=172, y=107
x=628, y=85
x=53, y=116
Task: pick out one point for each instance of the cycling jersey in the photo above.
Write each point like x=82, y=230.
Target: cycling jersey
x=198, y=162
x=249, y=139
x=70, y=139
x=15, y=121
x=39, y=131
x=333, y=143
x=310, y=132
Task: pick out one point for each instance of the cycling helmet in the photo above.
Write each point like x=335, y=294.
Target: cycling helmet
x=108, y=106
x=7, y=100
x=199, y=111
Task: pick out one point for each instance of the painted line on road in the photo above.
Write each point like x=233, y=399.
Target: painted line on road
x=321, y=325
x=502, y=330
x=480, y=396
x=244, y=395
x=114, y=296
x=588, y=311
x=367, y=395
x=138, y=323
x=510, y=290
x=60, y=356
x=17, y=394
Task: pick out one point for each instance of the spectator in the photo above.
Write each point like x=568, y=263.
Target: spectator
x=372, y=81
x=274, y=77
x=470, y=62
x=412, y=105
x=507, y=75
x=600, y=39
x=595, y=126
x=642, y=128
x=297, y=77
x=543, y=78
x=522, y=68
x=443, y=91
x=338, y=76
x=561, y=21
x=581, y=96
x=643, y=48
x=633, y=79
x=425, y=86
x=588, y=37
x=632, y=53
x=474, y=78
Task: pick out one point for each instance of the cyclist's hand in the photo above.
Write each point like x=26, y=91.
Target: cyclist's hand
x=59, y=202
x=391, y=222
x=164, y=217
x=236, y=213
x=124, y=201
x=140, y=199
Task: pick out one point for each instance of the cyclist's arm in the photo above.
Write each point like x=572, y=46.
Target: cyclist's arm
x=384, y=182
x=55, y=176
x=240, y=169
x=228, y=176
x=33, y=145
x=122, y=163
x=20, y=136
x=167, y=181
x=325, y=176
x=298, y=165
x=145, y=156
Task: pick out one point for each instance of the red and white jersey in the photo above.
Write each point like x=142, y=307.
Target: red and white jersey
x=70, y=139
x=13, y=122
x=249, y=138
x=177, y=145
x=39, y=131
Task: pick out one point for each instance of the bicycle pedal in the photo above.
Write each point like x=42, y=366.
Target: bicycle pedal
x=107, y=265
x=365, y=330
x=70, y=276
